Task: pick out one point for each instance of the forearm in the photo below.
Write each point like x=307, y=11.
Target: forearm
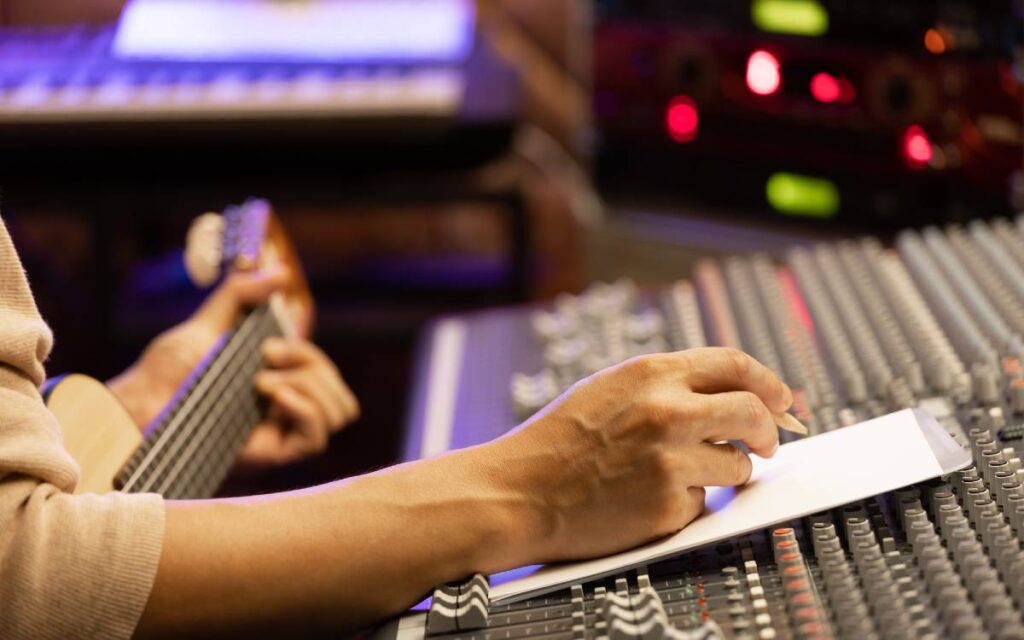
x=337, y=557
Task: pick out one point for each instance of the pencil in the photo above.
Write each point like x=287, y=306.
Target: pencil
x=789, y=423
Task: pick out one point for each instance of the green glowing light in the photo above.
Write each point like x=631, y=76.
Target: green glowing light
x=798, y=195
x=794, y=17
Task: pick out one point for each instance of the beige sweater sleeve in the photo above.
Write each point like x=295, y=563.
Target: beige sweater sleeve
x=70, y=566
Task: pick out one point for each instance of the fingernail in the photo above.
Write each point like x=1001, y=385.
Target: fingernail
x=787, y=395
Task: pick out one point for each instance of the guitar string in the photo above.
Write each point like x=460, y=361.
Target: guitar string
x=220, y=445
x=164, y=424
x=200, y=463
x=182, y=414
x=152, y=470
x=251, y=414
x=209, y=427
x=222, y=433
x=218, y=462
x=164, y=474
x=205, y=467
x=204, y=485
x=207, y=398
x=210, y=430
x=180, y=420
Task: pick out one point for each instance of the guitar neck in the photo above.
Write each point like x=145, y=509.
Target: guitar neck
x=192, y=446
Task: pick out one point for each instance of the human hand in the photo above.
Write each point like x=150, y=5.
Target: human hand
x=623, y=456
x=311, y=402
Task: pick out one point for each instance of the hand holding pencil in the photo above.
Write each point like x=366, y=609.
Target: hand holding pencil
x=625, y=455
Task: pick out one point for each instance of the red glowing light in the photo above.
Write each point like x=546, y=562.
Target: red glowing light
x=825, y=87
x=916, y=147
x=934, y=41
x=847, y=92
x=763, y=76
x=681, y=119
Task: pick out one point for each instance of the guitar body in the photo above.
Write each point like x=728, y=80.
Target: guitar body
x=97, y=431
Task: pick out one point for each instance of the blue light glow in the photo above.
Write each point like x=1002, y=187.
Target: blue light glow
x=717, y=498
x=515, y=574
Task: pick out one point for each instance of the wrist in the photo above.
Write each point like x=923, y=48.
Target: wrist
x=513, y=471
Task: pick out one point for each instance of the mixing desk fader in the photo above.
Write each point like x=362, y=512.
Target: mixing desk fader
x=857, y=329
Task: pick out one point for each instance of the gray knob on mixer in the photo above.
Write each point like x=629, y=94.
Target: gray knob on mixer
x=938, y=371
x=986, y=383
x=963, y=389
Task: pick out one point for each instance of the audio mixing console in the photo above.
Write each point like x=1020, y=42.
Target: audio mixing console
x=858, y=330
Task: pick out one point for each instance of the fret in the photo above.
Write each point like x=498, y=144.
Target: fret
x=207, y=427
x=230, y=426
x=208, y=430
x=208, y=474
x=223, y=431
x=195, y=442
x=179, y=428
x=156, y=432
x=194, y=447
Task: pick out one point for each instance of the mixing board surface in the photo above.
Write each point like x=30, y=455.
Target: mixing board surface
x=858, y=330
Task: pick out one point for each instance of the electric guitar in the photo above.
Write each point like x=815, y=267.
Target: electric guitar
x=187, y=451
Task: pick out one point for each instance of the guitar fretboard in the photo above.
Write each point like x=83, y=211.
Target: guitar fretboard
x=194, y=443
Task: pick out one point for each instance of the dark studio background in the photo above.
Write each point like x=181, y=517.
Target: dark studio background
x=564, y=174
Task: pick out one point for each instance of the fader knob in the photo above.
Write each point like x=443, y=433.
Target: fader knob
x=939, y=371
x=986, y=383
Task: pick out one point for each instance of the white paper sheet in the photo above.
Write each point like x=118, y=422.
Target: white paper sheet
x=804, y=477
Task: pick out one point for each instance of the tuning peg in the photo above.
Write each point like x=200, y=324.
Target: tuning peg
x=204, y=249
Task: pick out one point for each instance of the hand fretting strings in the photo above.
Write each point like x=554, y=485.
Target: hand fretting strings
x=169, y=434
x=212, y=422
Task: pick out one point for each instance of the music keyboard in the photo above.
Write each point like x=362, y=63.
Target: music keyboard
x=71, y=109
x=68, y=75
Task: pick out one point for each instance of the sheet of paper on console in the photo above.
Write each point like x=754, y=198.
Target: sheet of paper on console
x=804, y=477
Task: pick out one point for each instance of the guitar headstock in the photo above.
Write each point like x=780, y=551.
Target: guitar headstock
x=246, y=237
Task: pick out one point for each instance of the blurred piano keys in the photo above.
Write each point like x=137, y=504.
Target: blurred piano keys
x=68, y=94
